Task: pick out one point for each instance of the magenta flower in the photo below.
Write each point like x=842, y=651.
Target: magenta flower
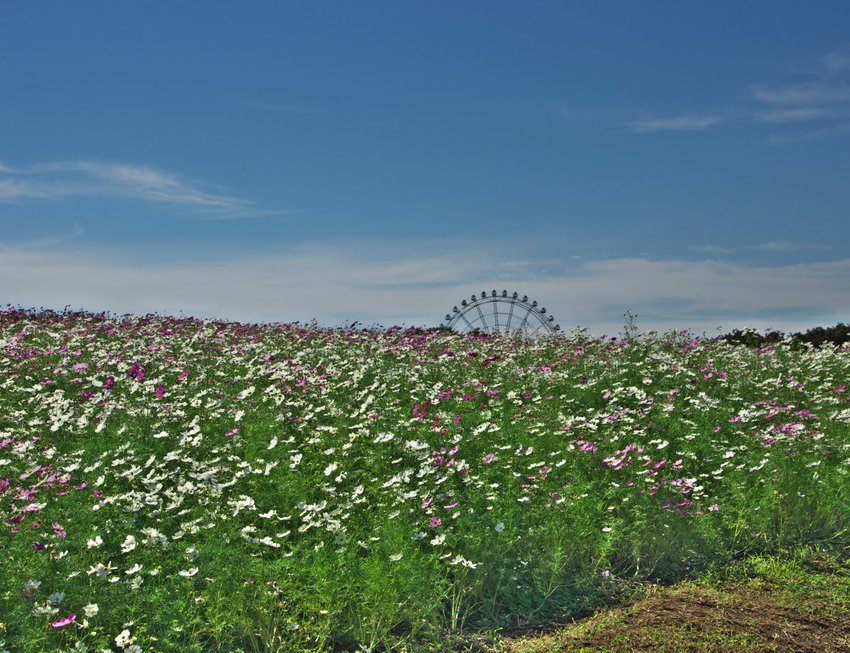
x=110, y=381
x=66, y=621
x=435, y=521
x=160, y=391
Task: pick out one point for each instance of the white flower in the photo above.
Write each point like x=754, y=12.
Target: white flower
x=459, y=559
x=292, y=626
x=499, y=527
x=56, y=597
x=438, y=540
x=606, y=530
x=188, y=572
x=129, y=544
x=395, y=557
x=100, y=570
x=124, y=639
x=95, y=543
x=132, y=570
x=32, y=584
x=90, y=610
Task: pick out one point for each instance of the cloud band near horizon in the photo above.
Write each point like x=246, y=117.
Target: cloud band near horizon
x=333, y=286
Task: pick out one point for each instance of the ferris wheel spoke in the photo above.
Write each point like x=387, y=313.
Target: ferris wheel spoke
x=510, y=317
x=525, y=319
x=468, y=323
x=483, y=321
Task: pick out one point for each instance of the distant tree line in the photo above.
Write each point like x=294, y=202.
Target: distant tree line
x=838, y=335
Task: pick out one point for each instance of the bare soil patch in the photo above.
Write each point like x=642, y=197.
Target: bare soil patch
x=761, y=614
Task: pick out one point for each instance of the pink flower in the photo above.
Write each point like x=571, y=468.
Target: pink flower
x=427, y=502
x=110, y=381
x=160, y=391
x=489, y=458
x=435, y=521
x=231, y=432
x=57, y=528
x=71, y=618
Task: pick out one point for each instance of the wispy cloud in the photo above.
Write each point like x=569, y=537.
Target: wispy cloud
x=787, y=246
x=837, y=61
x=793, y=115
x=775, y=246
x=46, y=242
x=809, y=135
x=813, y=94
x=677, y=123
x=62, y=179
x=710, y=249
x=817, y=92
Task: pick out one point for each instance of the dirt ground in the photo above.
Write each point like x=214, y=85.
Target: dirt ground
x=782, y=613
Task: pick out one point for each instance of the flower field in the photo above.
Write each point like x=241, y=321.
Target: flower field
x=178, y=484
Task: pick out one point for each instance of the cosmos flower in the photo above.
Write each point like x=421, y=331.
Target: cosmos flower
x=65, y=621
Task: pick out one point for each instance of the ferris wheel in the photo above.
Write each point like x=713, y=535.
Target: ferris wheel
x=502, y=313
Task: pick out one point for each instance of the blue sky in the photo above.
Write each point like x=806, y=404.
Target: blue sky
x=380, y=161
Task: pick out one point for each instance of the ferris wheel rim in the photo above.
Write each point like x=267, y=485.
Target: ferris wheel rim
x=533, y=318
